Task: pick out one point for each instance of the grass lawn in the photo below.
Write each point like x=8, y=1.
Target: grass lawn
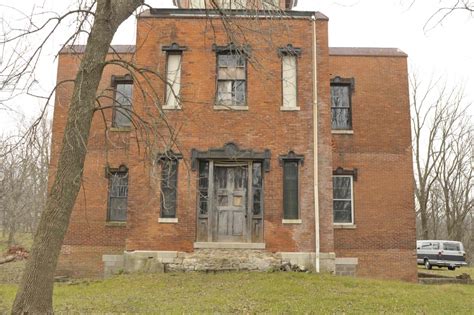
x=254, y=293
x=448, y=273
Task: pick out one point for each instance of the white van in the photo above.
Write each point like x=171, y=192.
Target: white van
x=449, y=254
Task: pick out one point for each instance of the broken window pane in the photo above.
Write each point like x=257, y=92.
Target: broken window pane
x=231, y=79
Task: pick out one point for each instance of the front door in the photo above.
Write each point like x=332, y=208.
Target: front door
x=230, y=200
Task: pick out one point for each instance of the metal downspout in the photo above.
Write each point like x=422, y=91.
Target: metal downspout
x=315, y=147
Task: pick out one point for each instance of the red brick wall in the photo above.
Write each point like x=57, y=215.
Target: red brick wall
x=87, y=227
x=199, y=126
x=380, y=148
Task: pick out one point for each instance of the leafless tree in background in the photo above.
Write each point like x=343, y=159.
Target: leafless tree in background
x=442, y=145
x=23, y=182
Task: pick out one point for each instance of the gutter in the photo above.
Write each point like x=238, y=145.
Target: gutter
x=315, y=148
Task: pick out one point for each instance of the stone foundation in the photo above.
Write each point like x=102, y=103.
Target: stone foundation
x=214, y=260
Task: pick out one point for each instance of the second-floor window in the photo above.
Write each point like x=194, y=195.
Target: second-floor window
x=341, y=103
x=122, y=113
x=231, y=78
x=173, y=80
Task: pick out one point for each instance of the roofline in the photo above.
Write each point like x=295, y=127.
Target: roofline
x=80, y=49
x=200, y=13
x=367, y=52
x=295, y=3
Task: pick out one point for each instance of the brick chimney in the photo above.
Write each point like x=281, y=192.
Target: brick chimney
x=237, y=4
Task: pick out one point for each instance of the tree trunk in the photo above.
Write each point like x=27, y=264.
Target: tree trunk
x=11, y=235
x=34, y=295
x=424, y=216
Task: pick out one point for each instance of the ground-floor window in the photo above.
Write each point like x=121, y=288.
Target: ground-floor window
x=343, y=203
x=117, y=194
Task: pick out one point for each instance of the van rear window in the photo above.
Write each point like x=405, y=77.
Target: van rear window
x=451, y=246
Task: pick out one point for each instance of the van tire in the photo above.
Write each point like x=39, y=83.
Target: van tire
x=427, y=264
x=451, y=268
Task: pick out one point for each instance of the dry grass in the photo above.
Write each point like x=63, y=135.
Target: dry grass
x=254, y=293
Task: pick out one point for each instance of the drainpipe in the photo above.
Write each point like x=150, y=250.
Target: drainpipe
x=315, y=147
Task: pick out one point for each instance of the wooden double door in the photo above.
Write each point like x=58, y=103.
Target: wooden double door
x=234, y=207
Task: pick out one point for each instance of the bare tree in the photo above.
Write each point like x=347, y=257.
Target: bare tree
x=23, y=170
x=98, y=20
x=442, y=129
x=446, y=8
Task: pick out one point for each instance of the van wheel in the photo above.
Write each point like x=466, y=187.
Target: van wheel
x=451, y=268
x=427, y=264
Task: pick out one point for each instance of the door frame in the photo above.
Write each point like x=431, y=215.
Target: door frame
x=230, y=153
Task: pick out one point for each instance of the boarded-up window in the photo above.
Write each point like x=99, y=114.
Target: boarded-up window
x=173, y=80
x=169, y=185
x=231, y=79
x=289, y=82
x=341, y=106
x=290, y=190
x=342, y=200
x=123, y=105
x=118, y=196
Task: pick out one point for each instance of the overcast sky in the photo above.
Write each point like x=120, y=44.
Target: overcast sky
x=445, y=50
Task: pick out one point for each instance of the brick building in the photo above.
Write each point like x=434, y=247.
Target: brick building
x=228, y=165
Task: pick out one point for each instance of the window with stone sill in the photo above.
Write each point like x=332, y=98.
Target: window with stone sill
x=291, y=165
x=122, y=110
x=343, y=196
x=289, y=76
x=169, y=163
x=341, y=103
x=174, y=57
x=117, y=194
x=231, y=76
